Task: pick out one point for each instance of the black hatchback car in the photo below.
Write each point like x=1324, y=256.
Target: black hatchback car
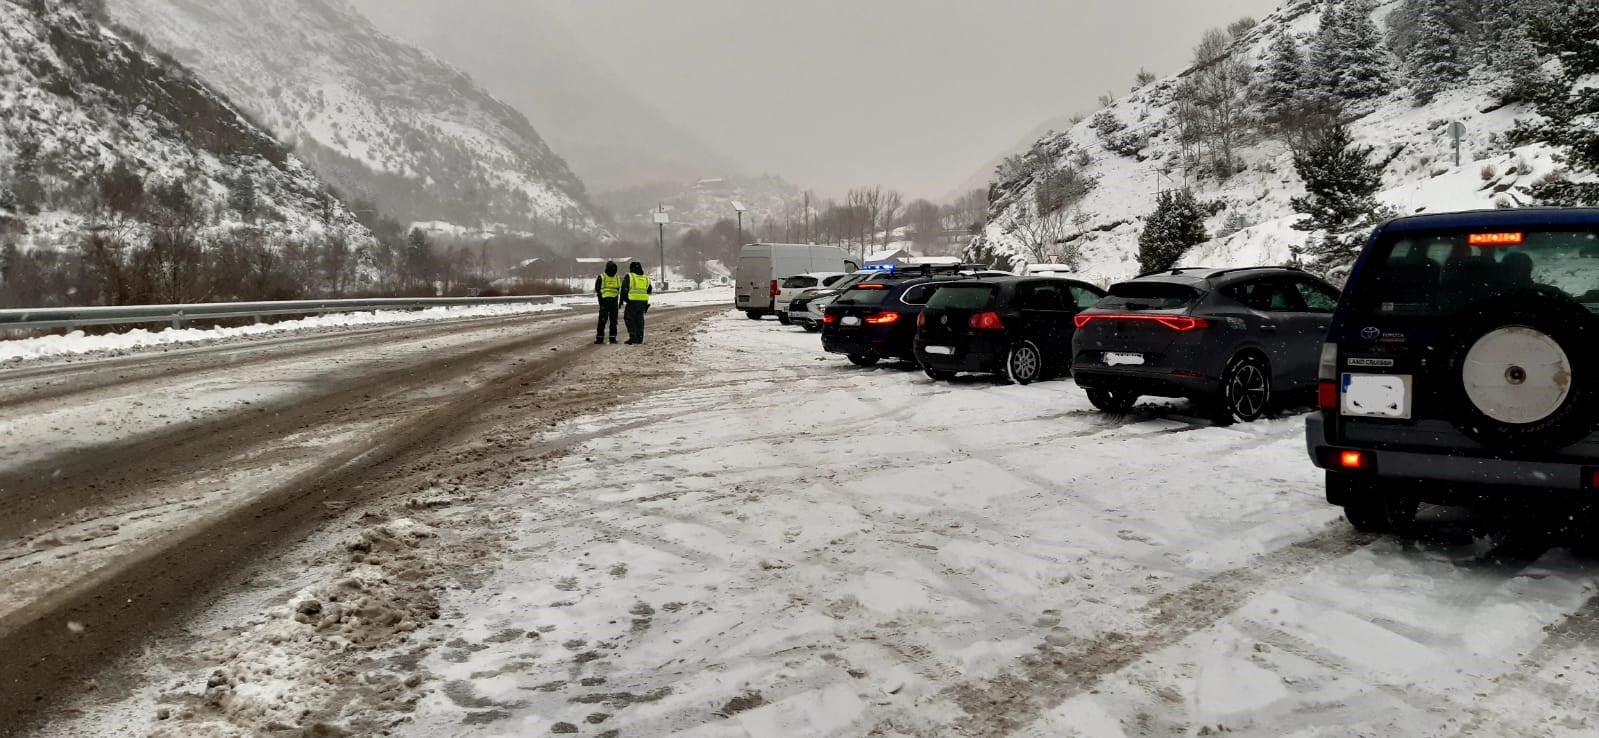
x=1230, y=339
x=1016, y=327
x=876, y=320
x=1462, y=367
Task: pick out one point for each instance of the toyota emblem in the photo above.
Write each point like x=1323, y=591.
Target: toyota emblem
x=1371, y=333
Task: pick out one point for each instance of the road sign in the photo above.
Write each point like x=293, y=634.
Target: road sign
x=662, y=218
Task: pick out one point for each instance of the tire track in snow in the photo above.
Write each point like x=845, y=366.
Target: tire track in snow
x=1577, y=631
x=1053, y=674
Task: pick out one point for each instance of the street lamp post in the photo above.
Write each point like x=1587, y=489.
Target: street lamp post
x=661, y=219
x=739, y=208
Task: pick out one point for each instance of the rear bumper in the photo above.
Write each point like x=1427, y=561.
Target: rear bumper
x=972, y=355
x=1143, y=381
x=1442, y=478
x=864, y=342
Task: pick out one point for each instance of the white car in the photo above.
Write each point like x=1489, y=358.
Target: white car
x=791, y=287
x=1050, y=270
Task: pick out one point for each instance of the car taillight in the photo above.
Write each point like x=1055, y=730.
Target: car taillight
x=988, y=321
x=1328, y=369
x=1590, y=477
x=775, y=290
x=1179, y=323
x=883, y=318
x=1327, y=395
x=921, y=320
x=829, y=318
x=1353, y=460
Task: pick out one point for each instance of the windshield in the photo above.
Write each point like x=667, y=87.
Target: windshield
x=1437, y=275
x=1134, y=296
x=962, y=297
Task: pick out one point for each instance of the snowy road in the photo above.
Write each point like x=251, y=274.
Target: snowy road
x=778, y=544
x=130, y=484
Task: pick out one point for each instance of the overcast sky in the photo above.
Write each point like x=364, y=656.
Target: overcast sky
x=913, y=94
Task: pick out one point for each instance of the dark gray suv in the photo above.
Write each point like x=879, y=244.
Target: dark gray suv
x=1462, y=366
x=1230, y=339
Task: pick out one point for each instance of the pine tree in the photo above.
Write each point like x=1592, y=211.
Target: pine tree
x=244, y=199
x=1341, y=182
x=1568, y=105
x=1322, y=77
x=1517, y=59
x=1435, y=60
x=1177, y=225
x=25, y=183
x=1278, y=90
x=1366, y=71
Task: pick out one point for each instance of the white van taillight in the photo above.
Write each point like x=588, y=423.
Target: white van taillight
x=775, y=290
x=1327, y=387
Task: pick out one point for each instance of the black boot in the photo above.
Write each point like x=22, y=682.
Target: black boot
x=598, y=341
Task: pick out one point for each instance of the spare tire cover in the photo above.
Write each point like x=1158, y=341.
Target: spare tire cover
x=1523, y=372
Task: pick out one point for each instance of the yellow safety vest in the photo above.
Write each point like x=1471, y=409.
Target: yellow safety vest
x=638, y=288
x=610, y=286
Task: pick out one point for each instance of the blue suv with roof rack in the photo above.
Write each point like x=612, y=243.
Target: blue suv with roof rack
x=1461, y=367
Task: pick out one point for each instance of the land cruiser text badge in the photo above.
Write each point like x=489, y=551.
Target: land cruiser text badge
x=1360, y=361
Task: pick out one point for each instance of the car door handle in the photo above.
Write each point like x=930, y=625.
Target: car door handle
x=1269, y=327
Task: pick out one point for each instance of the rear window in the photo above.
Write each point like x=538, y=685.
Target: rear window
x=850, y=281
x=1439, y=275
x=919, y=294
x=962, y=297
x=793, y=283
x=1135, y=296
x=869, y=295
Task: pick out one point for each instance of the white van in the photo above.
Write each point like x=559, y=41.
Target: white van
x=763, y=266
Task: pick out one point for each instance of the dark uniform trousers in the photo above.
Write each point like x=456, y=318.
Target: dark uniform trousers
x=634, y=315
x=608, y=309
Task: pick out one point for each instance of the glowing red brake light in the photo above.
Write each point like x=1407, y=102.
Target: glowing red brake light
x=870, y=286
x=1327, y=395
x=1496, y=239
x=1179, y=323
x=829, y=318
x=1352, y=460
x=988, y=321
x=883, y=318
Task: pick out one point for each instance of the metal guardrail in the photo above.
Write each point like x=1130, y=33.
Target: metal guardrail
x=46, y=318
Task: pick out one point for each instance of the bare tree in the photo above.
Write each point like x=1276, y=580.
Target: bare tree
x=893, y=201
x=1041, y=232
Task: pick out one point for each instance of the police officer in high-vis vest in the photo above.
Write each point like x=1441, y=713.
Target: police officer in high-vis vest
x=607, y=287
x=636, y=291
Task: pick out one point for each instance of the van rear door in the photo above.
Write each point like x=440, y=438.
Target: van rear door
x=754, y=290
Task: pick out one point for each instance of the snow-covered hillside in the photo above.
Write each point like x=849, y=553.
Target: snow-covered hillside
x=1420, y=173
x=380, y=119
x=78, y=105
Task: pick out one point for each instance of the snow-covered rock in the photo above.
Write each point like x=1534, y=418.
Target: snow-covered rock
x=1420, y=173
x=77, y=99
x=382, y=120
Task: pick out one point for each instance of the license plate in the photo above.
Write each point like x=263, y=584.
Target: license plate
x=850, y=320
x=1116, y=359
x=1376, y=395
x=940, y=350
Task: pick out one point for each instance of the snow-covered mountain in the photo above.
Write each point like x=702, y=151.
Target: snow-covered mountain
x=383, y=121
x=702, y=203
x=94, y=130
x=1251, y=207
x=522, y=54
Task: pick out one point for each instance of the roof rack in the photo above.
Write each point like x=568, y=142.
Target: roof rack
x=1174, y=271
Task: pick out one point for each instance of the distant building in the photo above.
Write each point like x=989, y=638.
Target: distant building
x=885, y=259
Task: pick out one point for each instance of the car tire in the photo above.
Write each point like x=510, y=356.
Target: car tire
x=1245, y=390
x=1371, y=506
x=1024, y=364
x=783, y=318
x=939, y=375
x=864, y=359
x=754, y=314
x=1539, y=323
x=1112, y=401
x=812, y=326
